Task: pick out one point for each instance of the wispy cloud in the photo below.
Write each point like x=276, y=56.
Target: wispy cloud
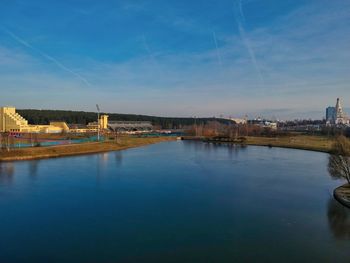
x=299, y=73
x=240, y=19
x=217, y=49
x=148, y=49
x=46, y=56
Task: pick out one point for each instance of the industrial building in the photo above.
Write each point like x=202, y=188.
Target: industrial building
x=130, y=126
x=11, y=121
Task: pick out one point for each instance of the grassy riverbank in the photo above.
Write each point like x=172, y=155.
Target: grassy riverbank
x=77, y=149
x=304, y=142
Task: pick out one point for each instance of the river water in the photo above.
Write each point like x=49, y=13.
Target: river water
x=173, y=202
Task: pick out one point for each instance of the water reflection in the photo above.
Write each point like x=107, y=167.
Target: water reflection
x=6, y=173
x=206, y=206
x=100, y=163
x=102, y=160
x=118, y=155
x=233, y=149
x=33, y=168
x=339, y=219
x=194, y=145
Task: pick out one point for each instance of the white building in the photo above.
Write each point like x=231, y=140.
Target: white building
x=341, y=117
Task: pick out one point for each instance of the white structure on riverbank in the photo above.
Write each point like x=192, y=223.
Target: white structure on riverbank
x=340, y=115
x=11, y=121
x=336, y=115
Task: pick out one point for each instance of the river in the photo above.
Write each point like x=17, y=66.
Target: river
x=173, y=202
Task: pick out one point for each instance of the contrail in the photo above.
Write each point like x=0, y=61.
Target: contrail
x=48, y=57
x=217, y=49
x=240, y=19
x=240, y=11
x=147, y=48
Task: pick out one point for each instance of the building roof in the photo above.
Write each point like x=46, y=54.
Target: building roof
x=77, y=126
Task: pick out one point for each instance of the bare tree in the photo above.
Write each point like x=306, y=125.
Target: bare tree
x=5, y=141
x=116, y=136
x=11, y=141
x=36, y=140
x=339, y=160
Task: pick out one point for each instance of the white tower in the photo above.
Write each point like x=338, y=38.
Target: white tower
x=340, y=115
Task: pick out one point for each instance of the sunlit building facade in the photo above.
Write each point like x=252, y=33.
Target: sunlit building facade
x=11, y=121
x=336, y=115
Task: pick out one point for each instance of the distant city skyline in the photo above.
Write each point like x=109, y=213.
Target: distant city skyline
x=287, y=59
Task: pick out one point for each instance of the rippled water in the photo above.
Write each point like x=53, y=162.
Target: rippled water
x=173, y=202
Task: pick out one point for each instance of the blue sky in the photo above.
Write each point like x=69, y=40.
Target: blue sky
x=284, y=59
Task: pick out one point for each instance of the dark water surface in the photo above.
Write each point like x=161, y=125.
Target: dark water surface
x=173, y=202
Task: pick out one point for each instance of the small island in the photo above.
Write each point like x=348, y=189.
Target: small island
x=339, y=168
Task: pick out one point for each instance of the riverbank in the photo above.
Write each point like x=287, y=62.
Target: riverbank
x=342, y=194
x=302, y=142
x=78, y=149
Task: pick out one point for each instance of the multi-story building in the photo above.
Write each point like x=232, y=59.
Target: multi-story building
x=336, y=115
x=340, y=114
x=11, y=121
x=331, y=115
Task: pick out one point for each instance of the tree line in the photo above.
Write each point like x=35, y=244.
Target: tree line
x=81, y=117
